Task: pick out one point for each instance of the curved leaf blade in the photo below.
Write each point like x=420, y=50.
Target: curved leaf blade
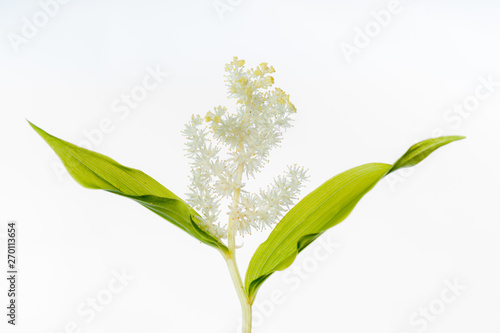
x=324, y=208
x=96, y=171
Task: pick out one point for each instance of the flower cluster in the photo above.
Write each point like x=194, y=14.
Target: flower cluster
x=247, y=136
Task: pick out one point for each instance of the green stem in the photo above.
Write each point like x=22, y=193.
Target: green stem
x=246, y=307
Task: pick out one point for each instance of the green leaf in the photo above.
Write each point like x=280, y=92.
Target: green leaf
x=96, y=171
x=322, y=209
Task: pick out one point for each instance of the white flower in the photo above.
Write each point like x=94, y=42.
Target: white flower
x=247, y=136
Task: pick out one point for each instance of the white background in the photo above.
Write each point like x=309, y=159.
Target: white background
x=392, y=256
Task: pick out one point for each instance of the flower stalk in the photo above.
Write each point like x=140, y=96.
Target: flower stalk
x=246, y=307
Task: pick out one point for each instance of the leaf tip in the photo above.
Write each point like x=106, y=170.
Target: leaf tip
x=456, y=137
x=37, y=129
